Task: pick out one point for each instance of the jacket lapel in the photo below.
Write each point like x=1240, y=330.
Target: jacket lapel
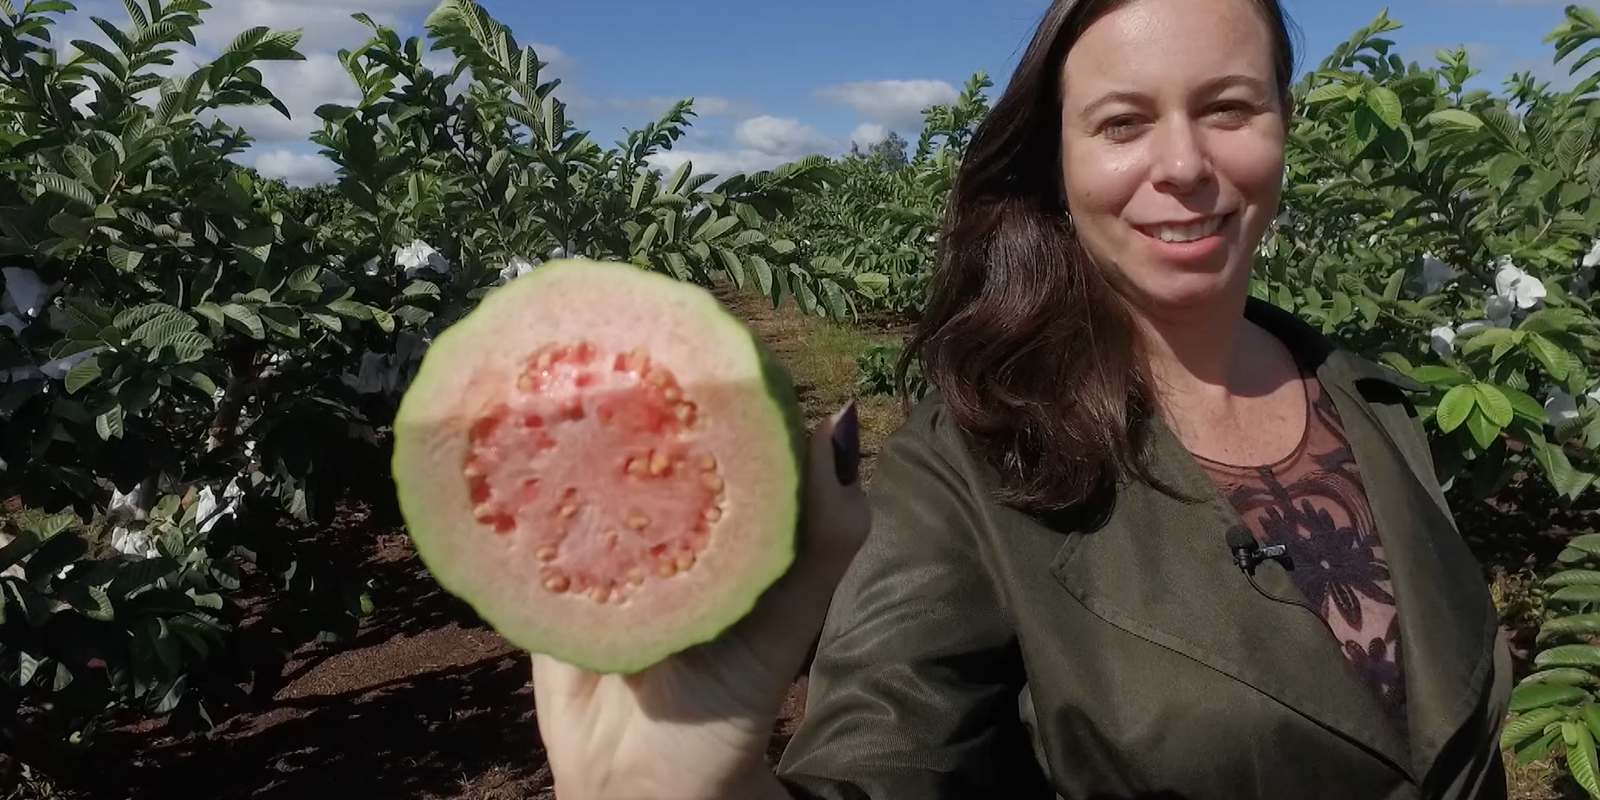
x=1448, y=624
x=1160, y=568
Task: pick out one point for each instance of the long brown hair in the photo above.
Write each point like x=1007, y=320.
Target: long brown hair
x=1032, y=350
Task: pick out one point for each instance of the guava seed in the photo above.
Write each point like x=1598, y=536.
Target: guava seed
x=627, y=546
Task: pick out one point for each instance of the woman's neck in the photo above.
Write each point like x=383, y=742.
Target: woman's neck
x=1199, y=355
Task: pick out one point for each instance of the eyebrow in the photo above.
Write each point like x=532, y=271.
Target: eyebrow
x=1214, y=86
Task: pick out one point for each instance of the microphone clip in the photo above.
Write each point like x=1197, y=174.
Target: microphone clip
x=1248, y=557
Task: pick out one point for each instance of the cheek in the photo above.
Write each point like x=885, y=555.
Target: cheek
x=1255, y=166
x=1100, y=182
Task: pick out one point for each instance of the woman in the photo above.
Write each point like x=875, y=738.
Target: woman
x=1149, y=538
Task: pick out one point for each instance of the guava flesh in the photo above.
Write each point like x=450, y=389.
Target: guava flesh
x=603, y=462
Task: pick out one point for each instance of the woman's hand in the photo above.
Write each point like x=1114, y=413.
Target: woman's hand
x=696, y=727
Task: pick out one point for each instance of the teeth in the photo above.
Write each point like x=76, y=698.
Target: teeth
x=1187, y=233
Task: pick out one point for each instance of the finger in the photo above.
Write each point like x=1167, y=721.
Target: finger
x=556, y=682
x=835, y=522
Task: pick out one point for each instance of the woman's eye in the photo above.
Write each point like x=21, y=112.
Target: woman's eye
x=1232, y=112
x=1120, y=127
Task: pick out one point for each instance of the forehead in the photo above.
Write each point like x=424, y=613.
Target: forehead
x=1144, y=44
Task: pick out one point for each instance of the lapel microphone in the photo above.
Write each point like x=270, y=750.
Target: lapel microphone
x=1249, y=554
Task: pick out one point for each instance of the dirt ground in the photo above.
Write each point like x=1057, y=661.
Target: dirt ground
x=429, y=703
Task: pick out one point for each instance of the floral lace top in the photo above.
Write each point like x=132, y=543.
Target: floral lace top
x=1313, y=502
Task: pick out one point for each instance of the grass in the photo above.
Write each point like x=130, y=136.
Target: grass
x=821, y=356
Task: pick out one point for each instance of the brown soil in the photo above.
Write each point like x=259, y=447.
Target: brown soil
x=428, y=703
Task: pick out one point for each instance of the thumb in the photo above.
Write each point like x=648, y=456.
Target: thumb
x=835, y=519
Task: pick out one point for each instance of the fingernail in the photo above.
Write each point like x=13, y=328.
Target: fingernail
x=847, y=445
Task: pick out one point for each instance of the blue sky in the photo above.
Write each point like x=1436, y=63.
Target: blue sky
x=775, y=80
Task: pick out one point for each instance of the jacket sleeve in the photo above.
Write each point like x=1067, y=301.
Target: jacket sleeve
x=914, y=689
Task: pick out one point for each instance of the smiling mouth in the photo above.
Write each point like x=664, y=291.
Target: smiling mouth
x=1179, y=234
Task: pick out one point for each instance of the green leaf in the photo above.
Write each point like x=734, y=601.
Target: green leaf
x=421, y=287
x=1439, y=375
x=210, y=311
x=1582, y=764
x=109, y=424
x=1529, y=725
x=281, y=319
x=196, y=378
x=334, y=113
x=68, y=188
x=1494, y=404
x=85, y=373
x=1537, y=749
x=384, y=319
x=1326, y=93
x=63, y=678
x=1386, y=104
x=1455, y=117
x=124, y=259
x=102, y=609
x=1525, y=406
x=1569, y=626
x=1588, y=543
x=1571, y=676
x=1553, y=356
x=1573, y=577
x=27, y=667
x=710, y=232
x=1582, y=593
x=244, y=319
x=1483, y=431
x=1456, y=406
x=1568, y=655
x=188, y=347
x=350, y=309
x=763, y=273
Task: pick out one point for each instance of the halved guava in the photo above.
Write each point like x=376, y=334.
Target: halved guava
x=603, y=462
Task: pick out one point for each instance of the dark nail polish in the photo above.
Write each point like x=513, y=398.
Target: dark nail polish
x=847, y=446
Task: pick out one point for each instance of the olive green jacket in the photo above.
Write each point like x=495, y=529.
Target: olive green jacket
x=976, y=652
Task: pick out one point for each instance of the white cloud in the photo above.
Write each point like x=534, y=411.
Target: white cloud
x=328, y=24
x=720, y=163
x=781, y=137
x=868, y=134
x=296, y=169
x=894, y=102
x=761, y=144
x=302, y=86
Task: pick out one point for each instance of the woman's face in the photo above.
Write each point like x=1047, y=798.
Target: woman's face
x=1172, y=143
